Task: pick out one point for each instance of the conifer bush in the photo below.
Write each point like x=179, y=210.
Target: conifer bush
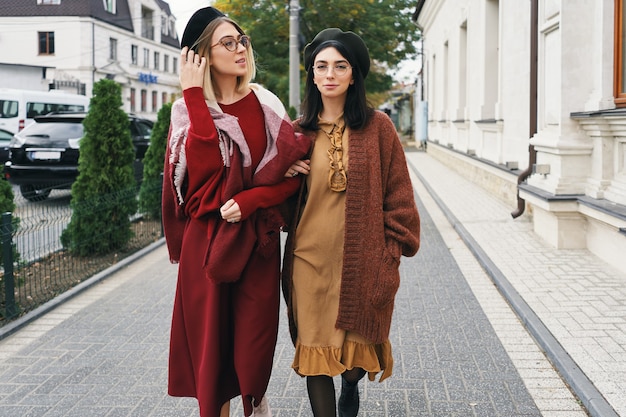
x=7, y=204
x=292, y=113
x=103, y=194
x=150, y=191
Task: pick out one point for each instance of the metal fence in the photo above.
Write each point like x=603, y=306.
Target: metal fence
x=37, y=267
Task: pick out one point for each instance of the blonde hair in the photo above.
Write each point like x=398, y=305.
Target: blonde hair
x=203, y=48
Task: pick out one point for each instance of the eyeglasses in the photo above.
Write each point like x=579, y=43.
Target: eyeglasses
x=230, y=43
x=338, y=69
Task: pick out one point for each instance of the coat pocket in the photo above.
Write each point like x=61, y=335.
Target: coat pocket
x=387, y=282
x=229, y=251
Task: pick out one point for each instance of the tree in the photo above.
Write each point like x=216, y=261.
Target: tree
x=385, y=25
x=103, y=196
x=150, y=191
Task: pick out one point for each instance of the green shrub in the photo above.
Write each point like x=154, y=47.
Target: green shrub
x=292, y=112
x=150, y=191
x=7, y=204
x=101, y=207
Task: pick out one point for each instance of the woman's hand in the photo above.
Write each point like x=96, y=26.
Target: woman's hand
x=302, y=166
x=192, y=67
x=230, y=211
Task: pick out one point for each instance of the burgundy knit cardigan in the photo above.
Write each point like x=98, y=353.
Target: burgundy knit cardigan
x=381, y=224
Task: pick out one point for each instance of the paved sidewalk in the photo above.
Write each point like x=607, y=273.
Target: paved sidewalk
x=459, y=349
x=574, y=303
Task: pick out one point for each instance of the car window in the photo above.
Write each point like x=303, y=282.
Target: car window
x=34, y=109
x=144, y=128
x=54, y=131
x=5, y=135
x=8, y=109
x=134, y=131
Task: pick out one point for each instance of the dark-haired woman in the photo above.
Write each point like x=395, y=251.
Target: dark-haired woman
x=356, y=216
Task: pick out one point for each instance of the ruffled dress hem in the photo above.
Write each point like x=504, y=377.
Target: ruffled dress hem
x=332, y=361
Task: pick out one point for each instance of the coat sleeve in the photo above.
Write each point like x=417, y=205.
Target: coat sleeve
x=172, y=216
x=202, y=172
x=402, y=222
x=205, y=167
x=266, y=196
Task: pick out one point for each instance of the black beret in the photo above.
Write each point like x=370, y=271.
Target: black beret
x=197, y=24
x=350, y=40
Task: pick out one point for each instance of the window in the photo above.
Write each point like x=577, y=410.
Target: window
x=147, y=25
x=109, y=6
x=113, y=49
x=141, y=128
x=163, y=98
x=166, y=63
x=462, y=71
x=146, y=58
x=133, y=100
x=39, y=108
x=8, y=109
x=491, y=58
x=172, y=28
x=446, y=82
x=619, y=71
x=48, y=1
x=134, y=51
x=144, y=99
x=175, y=66
x=46, y=43
x=154, y=102
x=164, y=26
x=157, y=58
x=168, y=26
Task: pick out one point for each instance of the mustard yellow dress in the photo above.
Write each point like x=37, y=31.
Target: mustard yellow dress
x=321, y=348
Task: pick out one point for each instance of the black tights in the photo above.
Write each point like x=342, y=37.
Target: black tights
x=354, y=375
x=321, y=389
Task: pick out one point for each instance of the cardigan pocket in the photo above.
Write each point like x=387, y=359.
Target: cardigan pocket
x=387, y=282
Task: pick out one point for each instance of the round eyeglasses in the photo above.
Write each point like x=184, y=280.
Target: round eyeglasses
x=230, y=43
x=338, y=69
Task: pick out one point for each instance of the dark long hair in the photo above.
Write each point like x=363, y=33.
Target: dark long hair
x=356, y=110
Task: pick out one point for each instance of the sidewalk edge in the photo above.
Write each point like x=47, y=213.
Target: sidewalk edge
x=585, y=390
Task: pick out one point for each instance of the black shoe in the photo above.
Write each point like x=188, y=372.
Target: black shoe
x=349, y=399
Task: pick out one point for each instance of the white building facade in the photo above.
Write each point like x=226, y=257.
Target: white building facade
x=532, y=91
x=133, y=42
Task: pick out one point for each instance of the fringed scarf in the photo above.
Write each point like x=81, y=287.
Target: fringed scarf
x=226, y=260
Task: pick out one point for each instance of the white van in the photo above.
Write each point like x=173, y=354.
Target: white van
x=19, y=107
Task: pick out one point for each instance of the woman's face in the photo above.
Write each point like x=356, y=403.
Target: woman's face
x=223, y=61
x=332, y=73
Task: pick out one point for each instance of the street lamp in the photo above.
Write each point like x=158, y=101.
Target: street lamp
x=294, y=54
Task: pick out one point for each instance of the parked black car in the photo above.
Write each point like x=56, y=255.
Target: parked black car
x=44, y=156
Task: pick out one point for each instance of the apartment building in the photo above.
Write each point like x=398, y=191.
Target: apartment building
x=534, y=92
x=79, y=42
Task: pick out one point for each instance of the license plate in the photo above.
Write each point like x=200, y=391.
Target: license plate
x=46, y=155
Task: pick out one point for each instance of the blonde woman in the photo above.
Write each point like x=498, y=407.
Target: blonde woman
x=230, y=143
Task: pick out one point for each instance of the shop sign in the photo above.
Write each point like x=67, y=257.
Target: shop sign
x=147, y=78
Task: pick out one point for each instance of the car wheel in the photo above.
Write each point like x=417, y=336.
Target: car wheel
x=31, y=193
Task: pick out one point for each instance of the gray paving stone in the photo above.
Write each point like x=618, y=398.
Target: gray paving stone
x=109, y=356
x=569, y=290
